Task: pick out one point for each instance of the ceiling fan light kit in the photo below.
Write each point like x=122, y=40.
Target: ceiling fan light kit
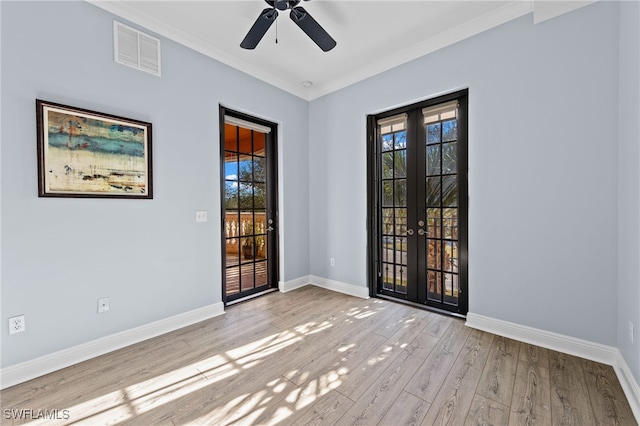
x=298, y=14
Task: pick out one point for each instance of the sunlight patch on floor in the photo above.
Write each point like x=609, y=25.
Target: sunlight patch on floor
x=271, y=403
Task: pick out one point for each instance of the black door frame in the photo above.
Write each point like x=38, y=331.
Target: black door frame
x=374, y=171
x=272, y=203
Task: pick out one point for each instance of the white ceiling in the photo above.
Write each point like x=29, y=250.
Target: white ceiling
x=372, y=36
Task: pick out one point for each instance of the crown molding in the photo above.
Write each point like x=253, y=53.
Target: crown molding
x=125, y=11
x=509, y=11
x=506, y=13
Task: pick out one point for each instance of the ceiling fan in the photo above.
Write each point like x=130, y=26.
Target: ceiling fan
x=298, y=15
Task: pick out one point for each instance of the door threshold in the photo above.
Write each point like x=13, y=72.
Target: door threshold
x=251, y=296
x=421, y=306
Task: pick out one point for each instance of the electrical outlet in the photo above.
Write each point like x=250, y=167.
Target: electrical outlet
x=201, y=216
x=332, y=261
x=17, y=324
x=103, y=305
x=630, y=332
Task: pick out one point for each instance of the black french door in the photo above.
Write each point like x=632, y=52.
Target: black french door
x=249, y=205
x=418, y=203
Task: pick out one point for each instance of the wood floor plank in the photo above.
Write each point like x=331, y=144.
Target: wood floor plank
x=267, y=411
x=439, y=324
x=407, y=410
x=499, y=374
x=350, y=360
x=531, y=402
x=224, y=399
x=380, y=396
x=361, y=376
x=453, y=401
x=345, y=346
x=343, y=355
x=485, y=411
x=430, y=376
x=609, y=404
x=319, y=409
x=570, y=404
x=100, y=379
x=534, y=355
x=389, y=328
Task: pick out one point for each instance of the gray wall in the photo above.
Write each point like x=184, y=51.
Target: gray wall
x=554, y=180
x=629, y=185
x=149, y=256
x=543, y=103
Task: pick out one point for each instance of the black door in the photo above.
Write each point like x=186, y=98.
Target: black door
x=418, y=203
x=249, y=200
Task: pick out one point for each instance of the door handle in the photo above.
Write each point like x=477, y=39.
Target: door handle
x=420, y=231
x=409, y=231
x=270, y=228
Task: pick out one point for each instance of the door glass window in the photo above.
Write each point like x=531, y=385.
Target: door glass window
x=249, y=217
x=394, y=203
x=441, y=130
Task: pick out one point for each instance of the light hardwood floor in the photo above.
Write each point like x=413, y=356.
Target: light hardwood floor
x=314, y=356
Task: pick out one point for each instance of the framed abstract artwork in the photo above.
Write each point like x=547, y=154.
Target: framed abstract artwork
x=84, y=153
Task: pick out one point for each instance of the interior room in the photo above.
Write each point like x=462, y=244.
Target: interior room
x=552, y=107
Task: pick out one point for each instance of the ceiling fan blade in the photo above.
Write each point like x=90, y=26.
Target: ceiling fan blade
x=259, y=28
x=311, y=27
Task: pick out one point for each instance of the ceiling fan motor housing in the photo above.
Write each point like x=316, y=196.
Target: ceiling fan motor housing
x=283, y=4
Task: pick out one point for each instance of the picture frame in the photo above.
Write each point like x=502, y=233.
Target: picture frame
x=89, y=154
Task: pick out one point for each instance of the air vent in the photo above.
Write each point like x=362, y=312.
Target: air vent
x=136, y=49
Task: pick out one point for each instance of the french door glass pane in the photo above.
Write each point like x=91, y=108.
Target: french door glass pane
x=387, y=142
x=433, y=223
x=387, y=221
x=231, y=195
x=450, y=223
x=259, y=196
x=387, y=276
x=433, y=133
x=400, y=222
x=400, y=163
x=261, y=274
x=400, y=193
x=434, y=254
x=400, y=140
x=434, y=185
x=387, y=193
x=259, y=144
x=449, y=160
x=433, y=160
x=387, y=165
x=259, y=169
x=449, y=130
x=245, y=144
x=434, y=285
x=449, y=191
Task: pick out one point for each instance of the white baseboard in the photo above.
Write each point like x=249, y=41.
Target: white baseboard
x=286, y=286
x=340, y=287
x=629, y=384
x=570, y=345
x=19, y=373
x=546, y=339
